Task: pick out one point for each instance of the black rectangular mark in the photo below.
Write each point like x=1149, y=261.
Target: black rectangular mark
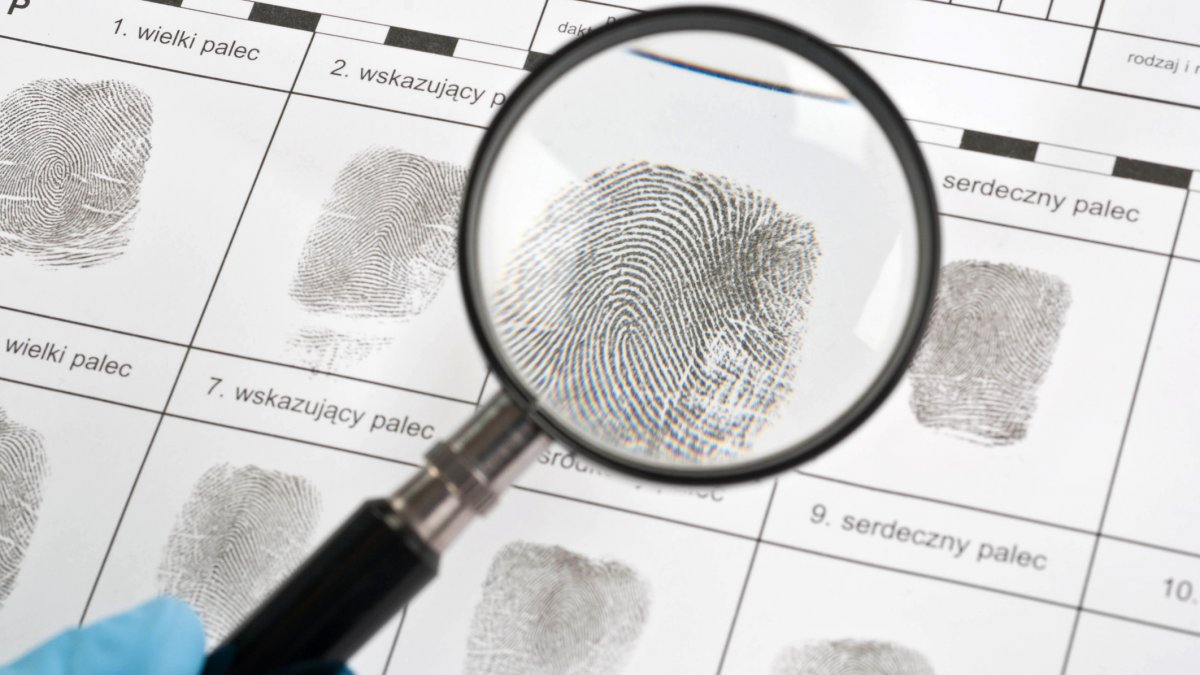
x=532, y=59
x=421, y=41
x=173, y=3
x=998, y=145
x=1149, y=172
x=284, y=16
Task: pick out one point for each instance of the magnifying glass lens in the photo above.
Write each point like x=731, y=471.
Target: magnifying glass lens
x=698, y=251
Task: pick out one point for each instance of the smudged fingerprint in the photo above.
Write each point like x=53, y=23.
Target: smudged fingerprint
x=662, y=310
x=23, y=470
x=851, y=657
x=381, y=248
x=548, y=611
x=72, y=157
x=987, y=348
x=326, y=349
x=241, y=531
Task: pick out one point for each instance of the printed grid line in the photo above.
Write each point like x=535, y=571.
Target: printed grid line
x=1124, y=435
x=737, y=610
x=536, y=28
x=1045, y=18
x=1087, y=57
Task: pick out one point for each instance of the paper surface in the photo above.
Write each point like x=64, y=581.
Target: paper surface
x=184, y=346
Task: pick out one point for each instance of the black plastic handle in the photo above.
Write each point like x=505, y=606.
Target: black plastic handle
x=334, y=602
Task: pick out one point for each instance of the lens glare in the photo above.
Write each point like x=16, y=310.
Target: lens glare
x=696, y=251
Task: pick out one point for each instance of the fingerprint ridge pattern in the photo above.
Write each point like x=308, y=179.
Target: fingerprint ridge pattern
x=24, y=467
x=662, y=310
x=241, y=531
x=72, y=158
x=327, y=349
x=851, y=657
x=385, y=239
x=989, y=344
x=549, y=611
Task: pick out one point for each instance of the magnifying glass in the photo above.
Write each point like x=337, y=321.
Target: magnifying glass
x=697, y=246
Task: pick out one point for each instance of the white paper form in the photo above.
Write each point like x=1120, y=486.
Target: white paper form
x=189, y=356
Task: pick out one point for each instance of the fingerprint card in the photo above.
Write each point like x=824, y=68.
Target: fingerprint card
x=547, y=585
x=1010, y=392
x=346, y=261
x=119, y=189
x=49, y=553
x=219, y=518
x=231, y=310
x=806, y=614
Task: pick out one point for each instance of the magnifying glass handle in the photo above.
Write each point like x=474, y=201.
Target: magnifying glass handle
x=383, y=555
x=362, y=575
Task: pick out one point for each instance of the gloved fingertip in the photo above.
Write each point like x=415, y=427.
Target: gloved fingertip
x=160, y=637
x=163, y=636
x=175, y=616
x=178, y=635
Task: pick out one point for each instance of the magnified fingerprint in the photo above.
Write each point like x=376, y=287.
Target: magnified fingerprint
x=660, y=309
x=23, y=470
x=851, y=657
x=72, y=156
x=548, y=611
x=986, y=350
x=240, y=532
x=385, y=239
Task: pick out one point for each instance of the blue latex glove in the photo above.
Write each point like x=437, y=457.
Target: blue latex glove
x=162, y=637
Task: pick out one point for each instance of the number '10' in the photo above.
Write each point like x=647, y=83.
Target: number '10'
x=1179, y=589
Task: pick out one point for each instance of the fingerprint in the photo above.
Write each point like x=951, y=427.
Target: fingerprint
x=385, y=239
x=72, y=157
x=851, y=657
x=23, y=470
x=325, y=349
x=661, y=310
x=548, y=611
x=240, y=532
x=986, y=350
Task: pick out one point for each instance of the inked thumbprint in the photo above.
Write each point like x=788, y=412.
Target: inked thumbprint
x=548, y=611
x=385, y=239
x=661, y=310
x=851, y=657
x=23, y=470
x=72, y=158
x=241, y=531
x=989, y=343
x=380, y=249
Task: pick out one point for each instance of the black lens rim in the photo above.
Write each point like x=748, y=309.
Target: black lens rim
x=806, y=46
